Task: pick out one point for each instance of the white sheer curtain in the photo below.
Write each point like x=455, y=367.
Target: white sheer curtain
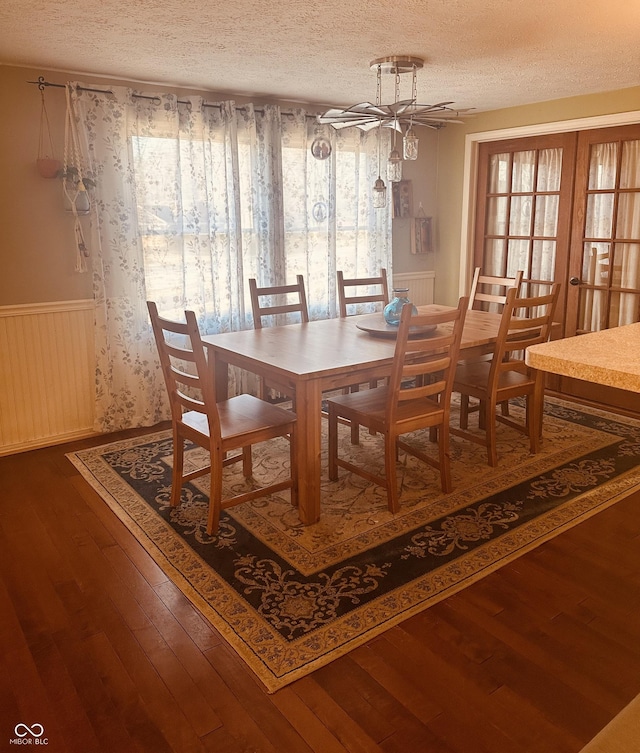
x=190, y=201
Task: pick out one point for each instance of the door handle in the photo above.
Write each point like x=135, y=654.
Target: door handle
x=574, y=281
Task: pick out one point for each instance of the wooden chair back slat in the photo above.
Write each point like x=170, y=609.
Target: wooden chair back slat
x=357, y=290
x=271, y=306
x=489, y=292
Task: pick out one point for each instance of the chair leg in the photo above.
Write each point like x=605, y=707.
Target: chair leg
x=481, y=415
x=178, y=466
x=464, y=411
x=355, y=433
x=490, y=431
x=333, y=445
x=293, y=458
x=535, y=407
x=215, y=495
x=445, y=465
x=390, y=472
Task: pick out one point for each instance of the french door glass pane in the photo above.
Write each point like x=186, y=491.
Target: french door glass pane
x=546, y=221
x=630, y=170
x=623, y=309
x=499, y=173
x=595, y=263
x=599, y=219
x=518, y=256
x=549, y=169
x=626, y=267
x=543, y=260
x=524, y=169
x=494, y=254
x=497, y=215
x=520, y=218
x=592, y=310
x=602, y=167
x=628, y=224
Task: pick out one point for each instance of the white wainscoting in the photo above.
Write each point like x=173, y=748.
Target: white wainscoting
x=46, y=374
x=420, y=284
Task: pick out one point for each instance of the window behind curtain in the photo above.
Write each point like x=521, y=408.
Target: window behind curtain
x=186, y=224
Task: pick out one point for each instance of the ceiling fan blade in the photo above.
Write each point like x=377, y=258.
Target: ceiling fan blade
x=441, y=110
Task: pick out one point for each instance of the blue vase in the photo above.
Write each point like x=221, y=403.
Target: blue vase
x=393, y=310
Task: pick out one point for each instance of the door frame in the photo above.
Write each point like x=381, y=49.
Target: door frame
x=472, y=143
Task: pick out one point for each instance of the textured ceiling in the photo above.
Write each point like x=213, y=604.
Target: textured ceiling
x=485, y=54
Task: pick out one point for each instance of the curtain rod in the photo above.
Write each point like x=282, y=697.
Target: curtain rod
x=41, y=83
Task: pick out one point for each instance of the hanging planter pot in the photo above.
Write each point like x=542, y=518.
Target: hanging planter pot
x=48, y=167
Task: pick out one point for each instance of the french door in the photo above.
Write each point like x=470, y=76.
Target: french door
x=566, y=208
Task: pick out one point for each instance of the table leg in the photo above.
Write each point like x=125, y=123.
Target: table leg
x=219, y=375
x=309, y=436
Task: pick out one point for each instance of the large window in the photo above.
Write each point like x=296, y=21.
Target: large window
x=256, y=215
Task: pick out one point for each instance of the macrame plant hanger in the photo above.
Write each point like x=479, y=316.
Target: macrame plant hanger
x=47, y=164
x=74, y=183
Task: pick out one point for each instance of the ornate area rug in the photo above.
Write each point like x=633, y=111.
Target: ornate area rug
x=291, y=598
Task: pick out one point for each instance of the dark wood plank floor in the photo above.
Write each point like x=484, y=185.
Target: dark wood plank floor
x=103, y=651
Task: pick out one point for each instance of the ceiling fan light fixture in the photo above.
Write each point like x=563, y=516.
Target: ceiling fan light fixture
x=401, y=115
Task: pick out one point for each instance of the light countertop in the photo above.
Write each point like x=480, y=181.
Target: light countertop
x=610, y=357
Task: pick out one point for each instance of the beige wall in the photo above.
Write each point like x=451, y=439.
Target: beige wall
x=37, y=252
x=36, y=245
x=424, y=182
x=451, y=153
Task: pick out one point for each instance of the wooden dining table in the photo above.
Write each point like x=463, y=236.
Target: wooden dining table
x=318, y=356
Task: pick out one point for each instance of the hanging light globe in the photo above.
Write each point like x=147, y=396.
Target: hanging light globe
x=394, y=166
x=379, y=194
x=410, y=144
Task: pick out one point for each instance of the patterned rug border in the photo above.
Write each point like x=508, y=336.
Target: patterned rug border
x=356, y=628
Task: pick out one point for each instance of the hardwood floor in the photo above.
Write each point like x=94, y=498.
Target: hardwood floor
x=98, y=647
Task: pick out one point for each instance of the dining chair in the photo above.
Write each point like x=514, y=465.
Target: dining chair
x=275, y=301
x=353, y=291
x=220, y=428
x=356, y=290
x=278, y=300
x=417, y=396
x=489, y=292
x=524, y=322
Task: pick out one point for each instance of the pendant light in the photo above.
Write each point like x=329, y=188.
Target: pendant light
x=410, y=140
x=379, y=188
x=394, y=161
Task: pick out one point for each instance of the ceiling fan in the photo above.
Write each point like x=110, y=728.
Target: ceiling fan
x=401, y=114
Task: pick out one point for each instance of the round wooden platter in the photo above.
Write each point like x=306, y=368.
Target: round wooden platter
x=375, y=325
